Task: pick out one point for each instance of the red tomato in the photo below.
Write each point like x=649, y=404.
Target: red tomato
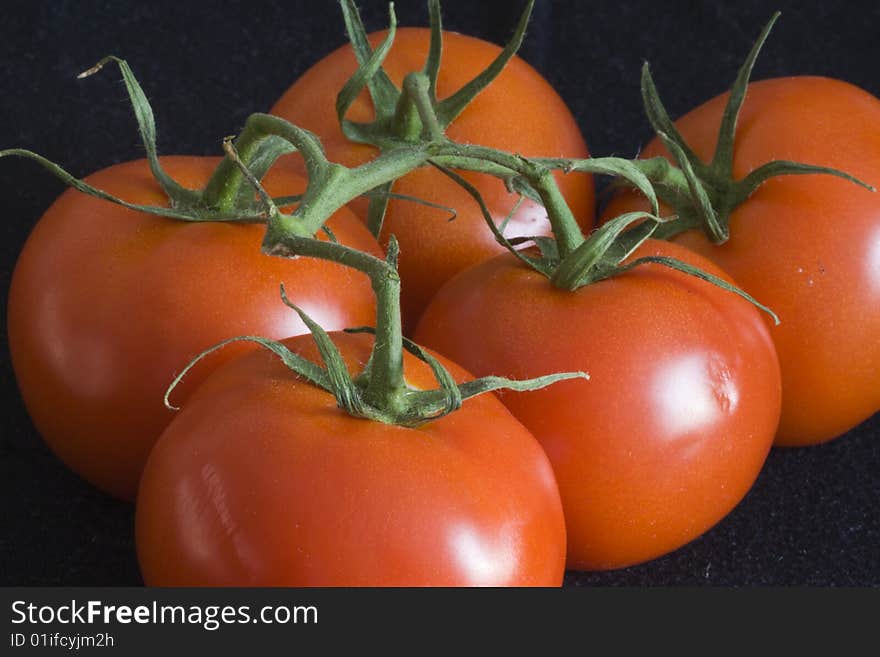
x=678, y=415
x=519, y=112
x=807, y=246
x=262, y=481
x=107, y=305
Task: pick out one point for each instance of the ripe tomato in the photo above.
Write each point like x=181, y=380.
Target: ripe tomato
x=678, y=415
x=807, y=246
x=262, y=481
x=107, y=304
x=519, y=112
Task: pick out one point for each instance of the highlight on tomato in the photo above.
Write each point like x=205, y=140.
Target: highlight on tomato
x=480, y=93
x=759, y=189
x=109, y=300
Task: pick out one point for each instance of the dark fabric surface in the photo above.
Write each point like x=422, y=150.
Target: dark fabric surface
x=813, y=517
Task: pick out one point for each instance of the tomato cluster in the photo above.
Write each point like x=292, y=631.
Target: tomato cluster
x=308, y=464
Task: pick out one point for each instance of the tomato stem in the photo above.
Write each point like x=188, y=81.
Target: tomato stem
x=385, y=383
x=225, y=187
x=417, y=91
x=380, y=391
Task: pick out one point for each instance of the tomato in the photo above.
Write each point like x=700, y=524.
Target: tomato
x=679, y=413
x=107, y=305
x=806, y=246
x=262, y=481
x=519, y=112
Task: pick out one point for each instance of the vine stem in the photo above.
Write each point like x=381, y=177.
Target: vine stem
x=380, y=390
x=385, y=385
x=331, y=185
x=223, y=187
x=417, y=86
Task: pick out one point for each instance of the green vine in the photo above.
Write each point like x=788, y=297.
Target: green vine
x=379, y=392
x=410, y=131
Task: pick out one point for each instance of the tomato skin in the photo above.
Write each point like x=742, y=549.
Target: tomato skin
x=263, y=481
x=107, y=305
x=676, y=420
x=806, y=246
x=519, y=112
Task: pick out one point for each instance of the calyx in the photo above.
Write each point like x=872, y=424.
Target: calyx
x=703, y=194
x=224, y=198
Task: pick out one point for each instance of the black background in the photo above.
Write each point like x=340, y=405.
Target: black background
x=813, y=517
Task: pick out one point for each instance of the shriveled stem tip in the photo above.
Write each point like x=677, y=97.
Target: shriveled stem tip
x=97, y=67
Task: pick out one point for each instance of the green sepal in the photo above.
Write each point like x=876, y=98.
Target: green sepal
x=179, y=195
x=572, y=272
x=491, y=383
x=660, y=120
x=378, y=206
x=449, y=108
x=286, y=201
x=270, y=210
x=632, y=238
x=486, y=384
x=746, y=187
x=678, y=265
x=435, y=48
x=449, y=389
x=548, y=248
x=436, y=398
x=182, y=214
x=259, y=161
x=342, y=385
x=452, y=212
x=590, y=261
x=519, y=185
x=428, y=405
x=722, y=161
x=369, y=74
x=382, y=89
x=301, y=366
x=715, y=228
x=667, y=180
